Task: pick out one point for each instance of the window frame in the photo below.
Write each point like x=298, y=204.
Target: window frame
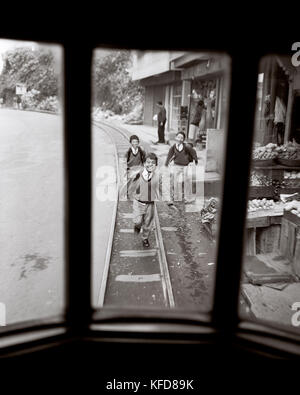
x=224, y=321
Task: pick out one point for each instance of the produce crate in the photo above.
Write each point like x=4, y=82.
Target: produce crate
x=288, y=162
x=288, y=215
x=263, y=162
x=290, y=239
x=289, y=190
x=260, y=192
x=262, y=236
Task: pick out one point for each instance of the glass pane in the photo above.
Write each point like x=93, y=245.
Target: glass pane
x=271, y=268
x=31, y=181
x=155, y=239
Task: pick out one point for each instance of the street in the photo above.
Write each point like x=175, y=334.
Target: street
x=31, y=215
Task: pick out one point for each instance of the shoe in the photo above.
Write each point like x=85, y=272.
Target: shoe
x=146, y=243
x=137, y=229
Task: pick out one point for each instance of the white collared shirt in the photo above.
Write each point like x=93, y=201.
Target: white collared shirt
x=179, y=147
x=146, y=175
x=135, y=151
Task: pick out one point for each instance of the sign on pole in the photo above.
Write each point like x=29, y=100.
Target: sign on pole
x=21, y=89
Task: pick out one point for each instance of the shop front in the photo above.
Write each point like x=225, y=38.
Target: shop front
x=208, y=82
x=162, y=87
x=204, y=94
x=272, y=249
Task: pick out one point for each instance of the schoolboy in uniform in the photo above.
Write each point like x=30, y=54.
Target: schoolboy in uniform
x=145, y=192
x=182, y=155
x=135, y=158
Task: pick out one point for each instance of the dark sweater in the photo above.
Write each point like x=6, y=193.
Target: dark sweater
x=183, y=157
x=146, y=190
x=135, y=160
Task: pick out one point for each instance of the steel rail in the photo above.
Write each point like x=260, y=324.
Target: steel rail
x=162, y=259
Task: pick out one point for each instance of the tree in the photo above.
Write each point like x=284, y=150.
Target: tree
x=112, y=83
x=36, y=69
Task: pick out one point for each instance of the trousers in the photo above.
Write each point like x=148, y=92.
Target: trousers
x=143, y=216
x=181, y=183
x=161, y=133
x=279, y=132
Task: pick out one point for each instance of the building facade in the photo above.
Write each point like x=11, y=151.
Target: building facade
x=278, y=83
x=179, y=80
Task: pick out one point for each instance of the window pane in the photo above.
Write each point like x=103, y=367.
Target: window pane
x=161, y=254
x=271, y=268
x=31, y=182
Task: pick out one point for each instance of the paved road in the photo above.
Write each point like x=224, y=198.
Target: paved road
x=31, y=214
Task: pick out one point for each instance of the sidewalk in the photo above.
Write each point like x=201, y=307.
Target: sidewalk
x=272, y=302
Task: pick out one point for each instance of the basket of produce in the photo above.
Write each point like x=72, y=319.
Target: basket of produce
x=265, y=155
x=288, y=154
x=260, y=204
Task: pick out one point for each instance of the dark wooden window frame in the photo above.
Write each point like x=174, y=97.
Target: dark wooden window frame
x=224, y=322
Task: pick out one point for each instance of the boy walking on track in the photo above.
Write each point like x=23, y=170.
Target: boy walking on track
x=145, y=191
x=183, y=155
x=135, y=158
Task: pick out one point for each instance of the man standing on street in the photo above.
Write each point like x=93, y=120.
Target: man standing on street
x=161, y=121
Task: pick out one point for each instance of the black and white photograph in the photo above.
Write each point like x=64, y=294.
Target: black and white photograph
x=32, y=184
x=159, y=129
x=149, y=209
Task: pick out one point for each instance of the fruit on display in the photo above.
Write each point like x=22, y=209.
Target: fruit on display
x=291, y=175
x=290, y=150
x=260, y=204
x=260, y=179
x=265, y=152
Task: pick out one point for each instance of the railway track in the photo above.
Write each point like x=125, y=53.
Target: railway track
x=133, y=275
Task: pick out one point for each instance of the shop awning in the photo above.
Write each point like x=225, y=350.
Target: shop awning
x=188, y=60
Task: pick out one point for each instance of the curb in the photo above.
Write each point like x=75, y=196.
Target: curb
x=31, y=110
